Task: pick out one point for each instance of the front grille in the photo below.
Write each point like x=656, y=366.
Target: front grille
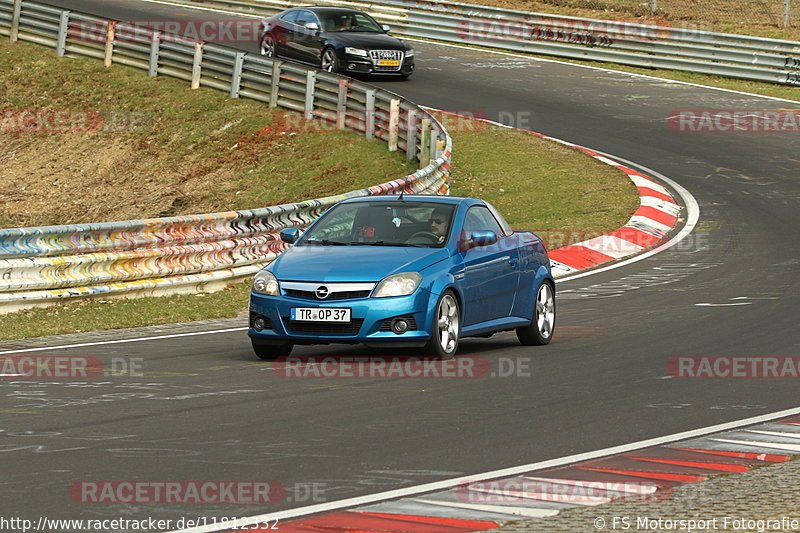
x=311, y=295
x=324, y=328
x=395, y=55
x=386, y=325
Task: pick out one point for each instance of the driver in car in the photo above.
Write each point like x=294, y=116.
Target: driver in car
x=439, y=221
x=344, y=24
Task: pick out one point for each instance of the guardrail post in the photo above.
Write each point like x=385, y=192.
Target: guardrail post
x=394, y=123
x=787, y=11
x=411, y=135
x=653, y=6
x=155, y=45
x=311, y=83
x=110, y=32
x=341, y=104
x=236, y=77
x=425, y=144
x=438, y=148
x=275, y=86
x=197, y=65
x=61, y=41
x=369, y=126
x=15, y=14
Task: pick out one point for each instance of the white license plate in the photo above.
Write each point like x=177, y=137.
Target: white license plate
x=388, y=63
x=320, y=314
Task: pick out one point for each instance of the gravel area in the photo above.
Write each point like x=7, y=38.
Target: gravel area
x=764, y=499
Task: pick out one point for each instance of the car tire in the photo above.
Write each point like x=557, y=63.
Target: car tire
x=543, y=323
x=268, y=352
x=329, y=61
x=445, y=327
x=267, y=46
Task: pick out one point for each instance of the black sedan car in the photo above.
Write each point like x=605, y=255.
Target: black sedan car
x=337, y=40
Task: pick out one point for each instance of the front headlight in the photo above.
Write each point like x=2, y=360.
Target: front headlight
x=401, y=284
x=410, y=52
x=355, y=51
x=265, y=282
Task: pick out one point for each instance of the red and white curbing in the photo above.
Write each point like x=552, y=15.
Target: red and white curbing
x=644, y=471
x=648, y=227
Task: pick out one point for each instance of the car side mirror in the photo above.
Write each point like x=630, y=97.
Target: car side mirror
x=386, y=28
x=290, y=235
x=482, y=238
x=312, y=26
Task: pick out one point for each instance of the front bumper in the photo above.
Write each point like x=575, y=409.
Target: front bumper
x=367, y=316
x=363, y=65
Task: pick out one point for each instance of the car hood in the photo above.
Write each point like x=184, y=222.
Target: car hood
x=372, y=41
x=352, y=263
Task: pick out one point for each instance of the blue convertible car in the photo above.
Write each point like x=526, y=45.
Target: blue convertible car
x=403, y=271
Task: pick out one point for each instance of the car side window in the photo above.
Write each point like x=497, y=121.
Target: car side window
x=339, y=226
x=362, y=22
x=290, y=16
x=305, y=16
x=507, y=231
x=479, y=218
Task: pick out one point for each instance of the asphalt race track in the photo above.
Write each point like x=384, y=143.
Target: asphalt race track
x=206, y=409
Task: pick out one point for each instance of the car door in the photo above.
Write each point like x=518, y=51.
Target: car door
x=490, y=272
x=282, y=32
x=306, y=42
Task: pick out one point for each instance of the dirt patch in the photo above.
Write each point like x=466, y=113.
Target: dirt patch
x=91, y=178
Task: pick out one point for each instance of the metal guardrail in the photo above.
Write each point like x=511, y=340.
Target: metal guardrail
x=40, y=265
x=735, y=56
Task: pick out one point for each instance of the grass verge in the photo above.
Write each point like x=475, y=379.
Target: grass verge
x=541, y=194
x=152, y=147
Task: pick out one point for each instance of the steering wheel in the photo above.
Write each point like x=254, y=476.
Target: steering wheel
x=427, y=234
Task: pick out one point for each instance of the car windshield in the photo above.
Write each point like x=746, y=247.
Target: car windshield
x=396, y=223
x=349, y=21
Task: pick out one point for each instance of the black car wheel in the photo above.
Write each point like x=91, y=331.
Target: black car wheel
x=329, y=62
x=543, y=322
x=267, y=46
x=268, y=352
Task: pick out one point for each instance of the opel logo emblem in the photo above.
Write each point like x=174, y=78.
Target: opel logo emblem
x=322, y=292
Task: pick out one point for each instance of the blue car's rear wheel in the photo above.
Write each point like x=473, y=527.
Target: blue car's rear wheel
x=543, y=322
x=446, y=327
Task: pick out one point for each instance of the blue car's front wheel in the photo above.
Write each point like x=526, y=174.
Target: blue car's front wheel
x=269, y=352
x=446, y=327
